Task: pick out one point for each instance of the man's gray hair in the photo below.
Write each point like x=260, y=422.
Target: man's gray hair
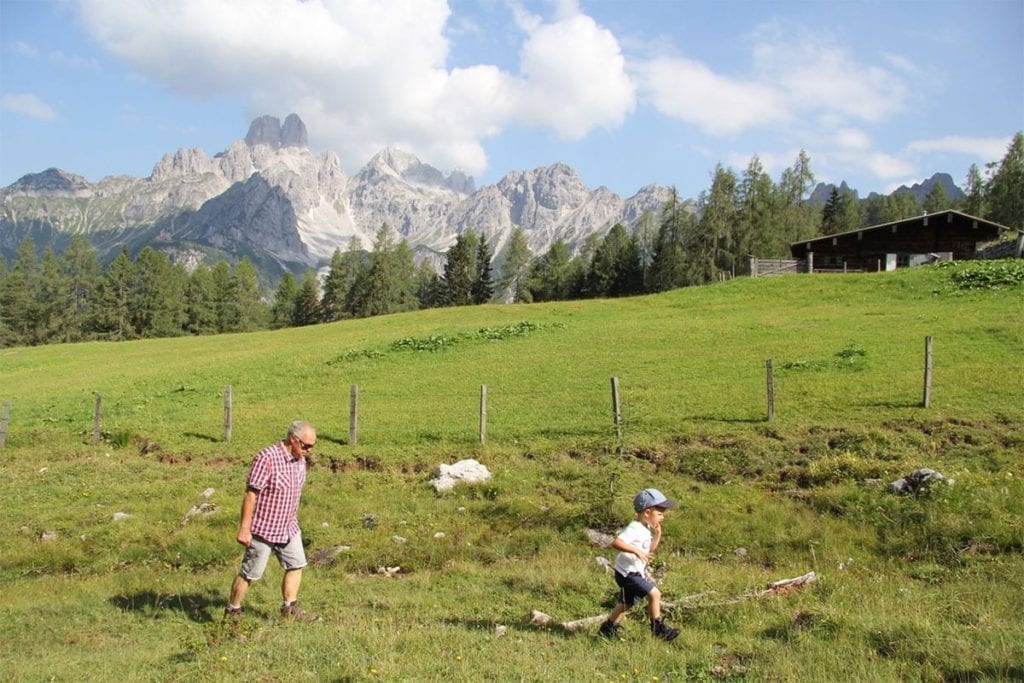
x=297, y=427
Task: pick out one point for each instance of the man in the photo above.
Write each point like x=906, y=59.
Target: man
x=269, y=523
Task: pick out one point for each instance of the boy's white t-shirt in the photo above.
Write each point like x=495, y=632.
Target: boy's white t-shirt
x=638, y=536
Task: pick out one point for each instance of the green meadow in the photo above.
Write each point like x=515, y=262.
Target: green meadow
x=103, y=578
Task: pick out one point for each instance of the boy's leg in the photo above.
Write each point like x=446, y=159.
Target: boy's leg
x=654, y=604
x=658, y=627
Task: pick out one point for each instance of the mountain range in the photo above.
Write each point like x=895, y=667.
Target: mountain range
x=269, y=198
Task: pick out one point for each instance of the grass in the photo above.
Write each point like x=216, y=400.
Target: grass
x=923, y=587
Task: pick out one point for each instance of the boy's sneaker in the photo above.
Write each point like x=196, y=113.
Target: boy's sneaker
x=662, y=630
x=609, y=630
x=233, y=613
x=295, y=613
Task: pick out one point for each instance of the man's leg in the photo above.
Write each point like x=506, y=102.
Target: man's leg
x=290, y=584
x=239, y=589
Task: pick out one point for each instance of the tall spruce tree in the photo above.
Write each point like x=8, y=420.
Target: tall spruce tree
x=336, y=286
x=53, y=301
x=550, y=279
x=711, y=240
x=668, y=268
x=973, y=202
x=113, y=309
x=200, y=314
x=515, y=267
x=157, y=302
x=251, y=311
x=307, y=300
x=1005, y=190
x=18, y=299
x=483, y=288
x=282, y=312
x=81, y=267
x=223, y=301
x=458, y=275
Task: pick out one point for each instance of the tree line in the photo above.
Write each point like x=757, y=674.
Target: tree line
x=70, y=298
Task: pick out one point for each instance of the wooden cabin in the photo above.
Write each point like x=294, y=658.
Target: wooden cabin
x=944, y=235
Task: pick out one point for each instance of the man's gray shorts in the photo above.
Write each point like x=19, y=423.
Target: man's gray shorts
x=291, y=555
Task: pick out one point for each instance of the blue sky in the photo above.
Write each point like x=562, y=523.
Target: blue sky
x=879, y=94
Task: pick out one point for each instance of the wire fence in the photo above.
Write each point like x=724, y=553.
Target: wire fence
x=464, y=413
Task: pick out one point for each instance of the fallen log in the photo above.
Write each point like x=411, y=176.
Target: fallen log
x=780, y=587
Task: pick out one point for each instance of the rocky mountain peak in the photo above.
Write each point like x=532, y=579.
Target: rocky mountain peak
x=267, y=130
x=53, y=182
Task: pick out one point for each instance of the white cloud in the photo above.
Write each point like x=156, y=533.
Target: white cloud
x=853, y=139
x=28, y=105
x=989, y=149
x=364, y=74
x=23, y=49
x=816, y=75
x=886, y=166
x=690, y=91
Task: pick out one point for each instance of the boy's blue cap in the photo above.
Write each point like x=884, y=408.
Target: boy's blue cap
x=652, y=498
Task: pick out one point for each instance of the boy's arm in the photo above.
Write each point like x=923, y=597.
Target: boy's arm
x=655, y=538
x=624, y=547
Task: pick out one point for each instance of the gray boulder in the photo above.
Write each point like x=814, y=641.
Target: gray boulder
x=915, y=481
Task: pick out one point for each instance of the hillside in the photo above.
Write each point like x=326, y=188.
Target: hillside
x=760, y=500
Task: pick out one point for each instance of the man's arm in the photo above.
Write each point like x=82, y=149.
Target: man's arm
x=245, y=525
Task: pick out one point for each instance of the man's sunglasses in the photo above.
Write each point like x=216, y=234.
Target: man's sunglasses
x=305, y=446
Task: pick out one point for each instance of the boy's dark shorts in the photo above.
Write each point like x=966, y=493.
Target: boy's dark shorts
x=633, y=587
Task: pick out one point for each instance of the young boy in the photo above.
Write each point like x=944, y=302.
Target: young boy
x=636, y=545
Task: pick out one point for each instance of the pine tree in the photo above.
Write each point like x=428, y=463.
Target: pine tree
x=899, y=205
x=429, y=286
x=113, y=310
x=157, y=302
x=973, y=202
x=223, y=302
x=1005, y=190
x=53, y=301
x=200, y=314
x=515, y=267
x=282, y=313
x=379, y=291
x=758, y=229
x=307, y=300
x=336, y=286
x=251, y=311
x=458, y=278
x=710, y=241
x=550, y=279
x=668, y=267
x=936, y=200
x=81, y=267
x=483, y=288
x=18, y=303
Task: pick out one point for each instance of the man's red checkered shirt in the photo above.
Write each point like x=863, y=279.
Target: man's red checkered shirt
x=277, y=477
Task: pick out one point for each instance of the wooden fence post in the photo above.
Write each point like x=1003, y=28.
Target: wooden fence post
x=5, y=419
x=617, y=408
x=97, y=419
x=483, y=413
x=353, y=414
x=771, y=389
x=227, y=413
x=927, y=371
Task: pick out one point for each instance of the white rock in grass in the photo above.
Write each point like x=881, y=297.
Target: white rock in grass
x=464, y=471
x=48, y=536
x=500, y=630
x=399, y=539
x=439, y=535
x=599, y=538
x=208, y=492
x=119, y=516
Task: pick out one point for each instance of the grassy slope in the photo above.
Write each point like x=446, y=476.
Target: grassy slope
x=920, y=587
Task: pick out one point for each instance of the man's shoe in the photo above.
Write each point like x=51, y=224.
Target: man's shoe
x=662, y=630
x=609, y=630
x=233, y=613
x=295, y=613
